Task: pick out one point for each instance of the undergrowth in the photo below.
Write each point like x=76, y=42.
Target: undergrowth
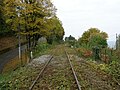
x=41, y=49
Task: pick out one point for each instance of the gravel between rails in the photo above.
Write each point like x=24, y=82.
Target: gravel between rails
x=37, y=61
x=58, y=74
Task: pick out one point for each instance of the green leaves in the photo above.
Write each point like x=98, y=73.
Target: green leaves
x=97, y=40
x=35, y=18
x=56, y=31
x=9, y=21
x=94, y=37
x=30, y=14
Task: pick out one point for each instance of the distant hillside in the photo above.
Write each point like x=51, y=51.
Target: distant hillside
x=111, y=44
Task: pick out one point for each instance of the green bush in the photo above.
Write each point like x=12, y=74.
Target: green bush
x=114, y=69
x=40, y=49
x=83, y=52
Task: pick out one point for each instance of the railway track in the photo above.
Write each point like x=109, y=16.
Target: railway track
x=74, y=83
x=62, y=71
x=66, y=71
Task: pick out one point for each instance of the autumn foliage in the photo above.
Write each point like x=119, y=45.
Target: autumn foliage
x=84, y=52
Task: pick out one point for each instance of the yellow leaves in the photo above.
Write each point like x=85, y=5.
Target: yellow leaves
x=29, y=33
x=10, y=3
x=87, y=35
x=104, y=35
x=35, y=17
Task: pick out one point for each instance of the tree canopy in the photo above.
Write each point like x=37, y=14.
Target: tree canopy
x=93, y=37
x=34, y=18
x=56, y=31
x=3, y=29
x=30, y=14
x=69, y=38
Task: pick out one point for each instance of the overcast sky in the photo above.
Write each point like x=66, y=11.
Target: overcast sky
x=78, y=16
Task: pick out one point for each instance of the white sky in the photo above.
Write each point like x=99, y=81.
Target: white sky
x=78, y=16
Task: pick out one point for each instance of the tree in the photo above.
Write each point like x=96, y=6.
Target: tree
x=87, y=34
x=3, y=29
x=71, y=40
x=31, y=15
x=94, y=36
x=117, y=42
x=97, y=40
x=56, y=31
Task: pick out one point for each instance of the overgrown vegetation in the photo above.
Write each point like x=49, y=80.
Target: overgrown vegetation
x=16, y=63
x=94, y=37
x=112, y=66
x=71, y=41
x=34, y=19
x=92, y=46
x=14, y=79
x=41, y=49
x=31, y=18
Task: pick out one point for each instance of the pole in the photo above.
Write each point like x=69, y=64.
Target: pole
x=19, y=37
x=119, y=42
x=19, y=43
x=116, y=42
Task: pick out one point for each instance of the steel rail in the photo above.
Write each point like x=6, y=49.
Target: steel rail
x=34, y=82
x=73, y=71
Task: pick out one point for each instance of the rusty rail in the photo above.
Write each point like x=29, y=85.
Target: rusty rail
x=43, y=69
x=73, y=71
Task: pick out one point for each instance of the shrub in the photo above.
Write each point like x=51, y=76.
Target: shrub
x=40, y=49
x=84, y=52
x=114, y=69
